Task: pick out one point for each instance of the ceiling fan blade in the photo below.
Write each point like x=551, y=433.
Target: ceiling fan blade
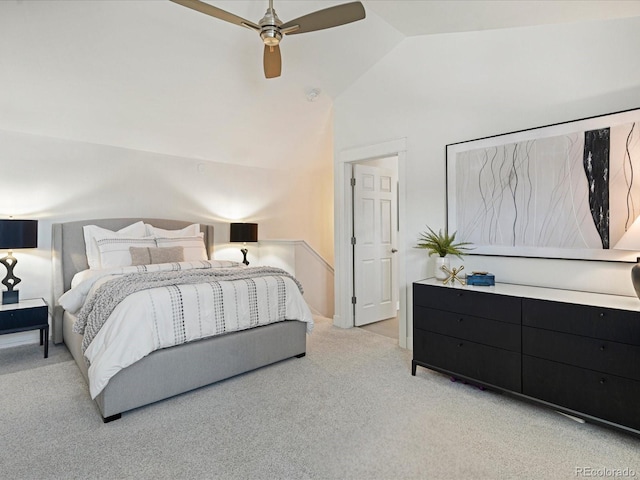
x=272, y=61
x=217, y=13
x=327, y=18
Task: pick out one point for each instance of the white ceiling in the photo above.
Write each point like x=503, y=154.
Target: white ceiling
x=153, y=75
x=414, y=17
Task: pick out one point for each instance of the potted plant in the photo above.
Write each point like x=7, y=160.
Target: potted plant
x=441, y=244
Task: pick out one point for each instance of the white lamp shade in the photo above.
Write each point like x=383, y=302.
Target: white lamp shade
x=631, y=238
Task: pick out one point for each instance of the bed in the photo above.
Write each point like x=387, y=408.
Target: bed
x=165, y=372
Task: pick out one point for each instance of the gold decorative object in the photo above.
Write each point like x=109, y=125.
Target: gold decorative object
x=452, y=275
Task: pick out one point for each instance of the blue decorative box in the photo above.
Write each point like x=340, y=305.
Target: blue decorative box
x=481, y=279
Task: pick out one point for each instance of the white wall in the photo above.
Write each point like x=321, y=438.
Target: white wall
x=54, y=180
x=314, y=272
x=435, y=90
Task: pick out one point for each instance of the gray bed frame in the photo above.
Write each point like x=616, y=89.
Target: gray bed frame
x=171, y=371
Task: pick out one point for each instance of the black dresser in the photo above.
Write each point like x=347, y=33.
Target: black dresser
x=576, y=352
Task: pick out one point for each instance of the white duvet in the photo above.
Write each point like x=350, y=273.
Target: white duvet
x=161, y=317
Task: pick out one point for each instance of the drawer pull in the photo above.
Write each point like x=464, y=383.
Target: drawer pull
x=602, y=348
x=601, y=314
x=460, y=320
x=603, y=381
x=460, y=344
x=459, y=294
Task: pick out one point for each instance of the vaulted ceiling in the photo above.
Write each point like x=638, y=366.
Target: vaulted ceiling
x=155, y=76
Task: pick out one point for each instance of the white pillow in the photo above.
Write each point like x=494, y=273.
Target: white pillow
x=80, y=277
x=114, y=251
x=93, y=233
x=194, y=248
x=190, y=231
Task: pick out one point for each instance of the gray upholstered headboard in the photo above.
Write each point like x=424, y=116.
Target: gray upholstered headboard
x=69, y=255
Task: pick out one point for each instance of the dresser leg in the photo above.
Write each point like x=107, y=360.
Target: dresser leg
x=413, y=367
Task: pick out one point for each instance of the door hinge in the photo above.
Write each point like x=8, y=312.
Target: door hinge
x=353, y=240
x=353, y=181
x=353, y=300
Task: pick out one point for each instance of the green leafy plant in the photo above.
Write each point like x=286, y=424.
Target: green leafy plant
x=442, y=244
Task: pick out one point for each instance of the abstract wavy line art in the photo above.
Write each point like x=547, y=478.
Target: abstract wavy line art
x=628, y=164
x=550, y=191
x=514, y=206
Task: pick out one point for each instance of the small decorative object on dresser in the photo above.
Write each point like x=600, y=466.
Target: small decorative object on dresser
x=452, y=275
x=481, y=279
x=441, y=244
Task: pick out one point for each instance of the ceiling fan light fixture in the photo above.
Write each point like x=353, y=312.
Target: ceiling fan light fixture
x=271, y=37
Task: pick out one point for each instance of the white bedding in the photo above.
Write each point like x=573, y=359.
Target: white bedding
x=161, y=317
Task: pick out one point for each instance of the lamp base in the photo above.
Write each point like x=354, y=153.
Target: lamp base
x=10, y=297
x=10, y=280
x=244, y=253
x=635, y=277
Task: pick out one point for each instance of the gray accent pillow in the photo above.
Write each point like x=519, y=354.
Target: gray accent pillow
x=152, y=255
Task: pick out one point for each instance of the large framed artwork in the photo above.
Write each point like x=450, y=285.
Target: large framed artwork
x=569, y=190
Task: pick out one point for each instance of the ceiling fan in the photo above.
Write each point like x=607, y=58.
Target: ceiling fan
x=271, y=29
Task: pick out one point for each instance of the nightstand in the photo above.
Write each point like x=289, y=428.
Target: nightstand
x=30, y=314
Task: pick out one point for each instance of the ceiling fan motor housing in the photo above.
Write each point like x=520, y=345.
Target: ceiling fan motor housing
x=270, y=25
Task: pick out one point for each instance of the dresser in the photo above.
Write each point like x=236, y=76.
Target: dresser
x=576, y=352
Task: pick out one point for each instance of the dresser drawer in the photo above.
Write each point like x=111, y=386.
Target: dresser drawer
x=600, y=355
x=486, y=364
x=480, y=330
x=461, y=300
x=24, y=318
x=601, y=395
x=597, y=322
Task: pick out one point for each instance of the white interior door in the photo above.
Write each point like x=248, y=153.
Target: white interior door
x=374, y=226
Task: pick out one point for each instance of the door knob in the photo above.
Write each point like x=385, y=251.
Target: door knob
x=394, y=250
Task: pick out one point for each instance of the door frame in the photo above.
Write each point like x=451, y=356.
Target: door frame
x=343, y=221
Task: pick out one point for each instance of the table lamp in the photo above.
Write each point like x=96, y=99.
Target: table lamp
x=15, y=234
x=244, y=232
x=630, y=240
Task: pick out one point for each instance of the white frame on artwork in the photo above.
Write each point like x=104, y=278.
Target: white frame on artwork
x=539, y=193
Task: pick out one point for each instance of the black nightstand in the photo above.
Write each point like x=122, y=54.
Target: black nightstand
x=30, y=314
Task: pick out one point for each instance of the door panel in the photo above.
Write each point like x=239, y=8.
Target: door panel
x=385, y=222
x=385, y=279
x=368, y=221
x=368, y=281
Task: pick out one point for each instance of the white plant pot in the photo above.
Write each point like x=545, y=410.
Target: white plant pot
x=440, y=262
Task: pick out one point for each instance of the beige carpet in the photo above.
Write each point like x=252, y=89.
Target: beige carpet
x=350, y=409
